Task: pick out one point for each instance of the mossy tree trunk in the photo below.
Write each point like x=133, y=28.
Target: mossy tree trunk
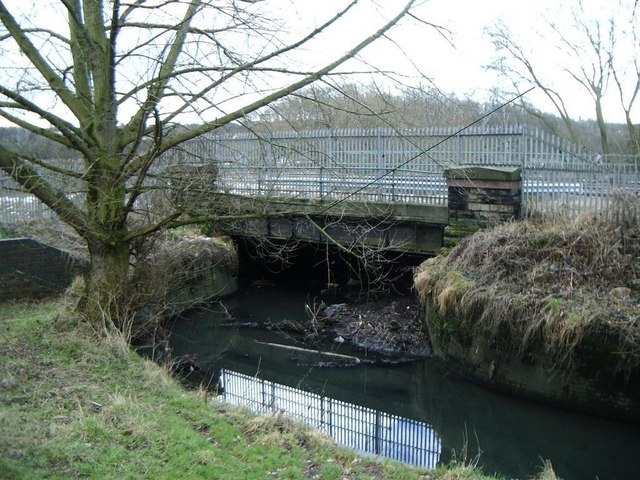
x=106, y=297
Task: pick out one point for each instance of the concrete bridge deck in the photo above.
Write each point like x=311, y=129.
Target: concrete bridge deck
x=399, y=227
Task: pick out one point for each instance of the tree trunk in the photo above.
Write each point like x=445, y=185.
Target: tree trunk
x=634, y=137
x=602, y=124
x=107, y=296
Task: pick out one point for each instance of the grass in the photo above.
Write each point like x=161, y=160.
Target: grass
x=79, y=404
x=551, y=281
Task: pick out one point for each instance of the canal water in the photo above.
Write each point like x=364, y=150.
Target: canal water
x=509, y=436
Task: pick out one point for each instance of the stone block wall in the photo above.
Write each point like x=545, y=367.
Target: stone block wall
x=480, y=197
x=30, y=269
x=593, y=381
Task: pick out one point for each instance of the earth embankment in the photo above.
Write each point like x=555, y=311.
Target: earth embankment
x=545, y=309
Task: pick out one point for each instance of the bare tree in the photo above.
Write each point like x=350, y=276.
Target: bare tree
x=122, y=83
x=337, y=105
x=590, y=53
x=625, y=71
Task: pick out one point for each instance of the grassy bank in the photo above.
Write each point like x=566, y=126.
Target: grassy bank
x=548, y=281
x=78, y=403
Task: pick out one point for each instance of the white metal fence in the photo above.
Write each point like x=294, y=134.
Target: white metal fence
x=422, y=149
x=407, y=166
x=611, y=190
x=387, y=165
x=331, y=184
x=18, y=206
x=361, y=428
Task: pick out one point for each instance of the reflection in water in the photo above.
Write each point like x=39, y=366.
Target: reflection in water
x=513, y=435
x=355, y=426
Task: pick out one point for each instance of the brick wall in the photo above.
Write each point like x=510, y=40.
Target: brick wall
x=30, y=269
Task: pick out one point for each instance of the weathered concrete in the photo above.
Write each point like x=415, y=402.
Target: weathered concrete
x=393, y=226
x=30, y=269
x=213, y=282
x=182, y=274
x=484, y=173
x=478, y=197
x=592, y=381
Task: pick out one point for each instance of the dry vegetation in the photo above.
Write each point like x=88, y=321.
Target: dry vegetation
x=550, y=280
x=175, y=258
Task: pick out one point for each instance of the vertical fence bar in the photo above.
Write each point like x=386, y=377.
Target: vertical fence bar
x=294, y=164
x=393, y=186
x=355, y=426
x=377, y=434
x=330, y=416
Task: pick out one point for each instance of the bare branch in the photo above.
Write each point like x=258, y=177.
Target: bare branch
x=283, y=92
x=31, y=52
x=19, y=170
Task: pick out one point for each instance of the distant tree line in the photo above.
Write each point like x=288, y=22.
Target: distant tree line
x=23, y=140
x=368, y=106
x=358, y=106
x=595, y=54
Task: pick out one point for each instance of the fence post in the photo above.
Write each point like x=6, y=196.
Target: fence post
x=269, y=160
x=328, y=159
x=272, y=403
x=378, y=428
x=380, y=159
x=393, y=185
x=525, y=171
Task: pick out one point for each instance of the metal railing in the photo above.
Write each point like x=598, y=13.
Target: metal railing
x=20, y=207
x=569, y=189
x=361, y=428
x=549, y=189
x=385, y=148
x=382, y=165
x=321, y=183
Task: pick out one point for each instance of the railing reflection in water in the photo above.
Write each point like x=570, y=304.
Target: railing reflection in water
x=362, y=428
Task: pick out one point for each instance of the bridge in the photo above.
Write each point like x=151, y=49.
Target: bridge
x=390, y=189
x=379, y=187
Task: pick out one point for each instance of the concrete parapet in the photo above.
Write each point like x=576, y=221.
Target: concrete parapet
x=30, y=269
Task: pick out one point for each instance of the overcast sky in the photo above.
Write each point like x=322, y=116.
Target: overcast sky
x=415, y=49
x=460, y=68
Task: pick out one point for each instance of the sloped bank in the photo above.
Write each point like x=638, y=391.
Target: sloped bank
x=182, y=272
x=549, y=311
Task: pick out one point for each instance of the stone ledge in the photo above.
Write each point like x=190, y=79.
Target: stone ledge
x=501, y=174
x=492, y=207
x=509, y=187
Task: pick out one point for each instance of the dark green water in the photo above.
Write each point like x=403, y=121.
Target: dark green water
x=512, y=435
